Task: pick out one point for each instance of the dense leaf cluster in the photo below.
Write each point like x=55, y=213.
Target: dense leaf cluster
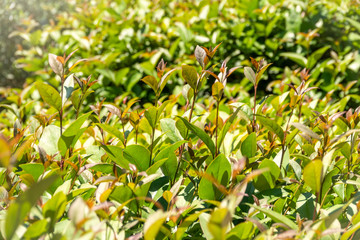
x=183, y=166
x=124, y=40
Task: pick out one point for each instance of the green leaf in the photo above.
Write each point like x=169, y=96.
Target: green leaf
x=185, y=225
x=250, y=74
x=201, y=134
x=34, y=169
x=19, y=209
x=305, y=205
x=75, y=98
x=137, y=155
x=299, y=59
x=276, y=217
x=306, y=130
x=70, y=136
x=151, y=81
x=153, y=224
x=49, y=139
x=217, y=90
x=55, y=207
x=165, y=78
x=227, y=126
x=116, y=154
x=261, y=72
x=112, y=130
x=272, y=126
x=315, y=56
x=312, y=175
x=168, y=153
x=156, y=165
x=249, y=147
x=190, y=75
x=151, y=116
x=49, y=94
x=219, y=222
x=169, y=128
x=68, y=88
x=220, y=170
x=36, y=229
x=242, y=231
x=267, y=179
x=353, y=22
x=297, y=169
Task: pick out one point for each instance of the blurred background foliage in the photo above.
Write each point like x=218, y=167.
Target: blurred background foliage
x=124, y=40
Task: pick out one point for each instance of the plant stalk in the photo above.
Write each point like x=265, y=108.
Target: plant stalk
x=216, y=129
x=253, y=125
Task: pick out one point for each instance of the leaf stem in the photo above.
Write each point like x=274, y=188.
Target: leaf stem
x=182, y=147
x=216, y=128
x=253, y=125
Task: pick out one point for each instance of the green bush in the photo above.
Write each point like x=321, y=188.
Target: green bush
x=188, y=165
x=123, y=41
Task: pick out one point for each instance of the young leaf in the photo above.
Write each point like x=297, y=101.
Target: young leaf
x=190, y=75
x=153, y=224
x=217, y=90
x=55, y=64
x=200, y=55
x=201, y=134
x=227, y=126
x=151, y=81
x=151, y=116
x=164, y=79
x=261, y=72
x=36, y=229
x=250, y=74
x=49, y=95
